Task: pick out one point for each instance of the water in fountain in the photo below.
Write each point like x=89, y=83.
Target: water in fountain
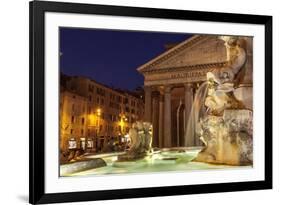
x=196, y=111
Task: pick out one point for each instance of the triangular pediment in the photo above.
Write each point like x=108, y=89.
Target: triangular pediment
x=197, y=50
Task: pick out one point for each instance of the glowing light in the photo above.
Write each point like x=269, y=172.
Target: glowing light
x=98, y=111
x=127, y=136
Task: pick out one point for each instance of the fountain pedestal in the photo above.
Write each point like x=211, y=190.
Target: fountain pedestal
x=227, y=138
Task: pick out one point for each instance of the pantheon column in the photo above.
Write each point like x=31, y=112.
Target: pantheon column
x=167, y=117
x=147, y=106
x=161, y=120
x=155, y=118
x=188, y=100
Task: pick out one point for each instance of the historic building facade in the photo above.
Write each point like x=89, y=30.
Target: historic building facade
x=172, y=79
x=90, y=111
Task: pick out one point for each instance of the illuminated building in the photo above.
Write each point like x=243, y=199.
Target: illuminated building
x=91, y=114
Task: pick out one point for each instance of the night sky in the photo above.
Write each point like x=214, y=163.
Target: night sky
x=111, y=56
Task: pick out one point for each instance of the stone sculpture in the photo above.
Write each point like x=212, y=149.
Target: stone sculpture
x=140, y=141
x=226, y=128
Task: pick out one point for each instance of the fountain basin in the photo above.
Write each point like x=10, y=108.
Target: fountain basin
x=162, y=161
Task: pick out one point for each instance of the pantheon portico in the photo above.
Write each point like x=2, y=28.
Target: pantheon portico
x=170, y=83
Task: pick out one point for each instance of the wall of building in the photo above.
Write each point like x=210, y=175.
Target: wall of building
x=94, y=111
x=73, y=117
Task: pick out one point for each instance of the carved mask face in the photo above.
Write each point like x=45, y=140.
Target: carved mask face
x=224, y=75
x=147, y=126
x=229, y=41
x=232, y=41
x=213, y=77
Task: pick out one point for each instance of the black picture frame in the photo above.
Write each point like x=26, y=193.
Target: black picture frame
x=37, y=11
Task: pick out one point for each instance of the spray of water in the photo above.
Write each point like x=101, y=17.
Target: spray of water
x=197, y=110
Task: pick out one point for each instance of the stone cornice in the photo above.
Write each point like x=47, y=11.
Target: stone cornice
x=189, y=68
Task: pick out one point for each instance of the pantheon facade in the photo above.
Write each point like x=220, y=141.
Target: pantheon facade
x=172, y=78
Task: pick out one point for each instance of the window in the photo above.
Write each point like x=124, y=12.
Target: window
x=91, y=88
x=112, y=96
x=82, y=131
x=109, y=116
x=127, y=109
x=73, y=107
x=90, y=98
x=101, y=91
x=71, y=131
x=118, y=99
x=83, y=120
x=112, y=118
x=125, y=101
x=72, y=119
x=113, y=105
x=100, y=128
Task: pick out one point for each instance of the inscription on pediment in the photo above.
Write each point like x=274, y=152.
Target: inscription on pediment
x=175, y=77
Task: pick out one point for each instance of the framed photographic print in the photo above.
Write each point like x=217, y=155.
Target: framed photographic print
x=140, y=102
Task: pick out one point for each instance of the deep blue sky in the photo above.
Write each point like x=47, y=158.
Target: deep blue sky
x=111, y=56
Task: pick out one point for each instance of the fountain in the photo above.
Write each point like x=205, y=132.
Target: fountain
x=140, y=142
x=197, y=110
x=220, y=120
x=225, y=126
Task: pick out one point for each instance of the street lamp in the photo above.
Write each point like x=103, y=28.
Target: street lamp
x=98, y=111
x=98, y=119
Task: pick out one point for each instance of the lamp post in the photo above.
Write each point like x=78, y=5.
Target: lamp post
x=98, y=120
x=98, y=112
